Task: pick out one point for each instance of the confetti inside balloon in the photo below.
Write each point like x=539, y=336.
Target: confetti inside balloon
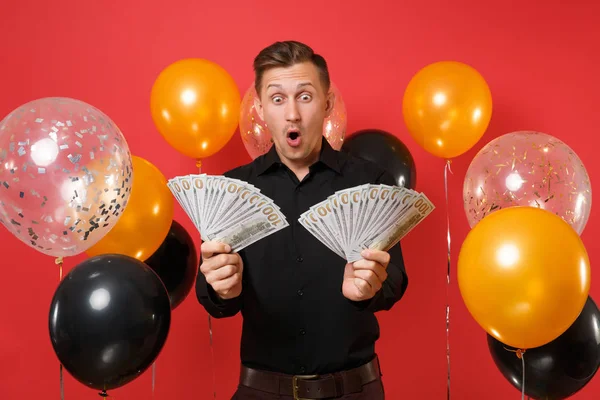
x=528, y=169
x=65, y=175
x=257, y=138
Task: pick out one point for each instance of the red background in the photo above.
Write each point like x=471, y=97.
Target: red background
x=540, y=59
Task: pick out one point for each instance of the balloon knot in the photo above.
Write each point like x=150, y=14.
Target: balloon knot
x=103, y=394
x=199, y=163
x=518, y=352
x=58, y=261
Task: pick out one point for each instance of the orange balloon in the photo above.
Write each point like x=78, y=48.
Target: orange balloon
x=195, y=105
x=147, y=218
x=447, y=108
x=524, y=275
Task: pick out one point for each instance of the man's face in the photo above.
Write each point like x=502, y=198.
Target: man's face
x=293, y=103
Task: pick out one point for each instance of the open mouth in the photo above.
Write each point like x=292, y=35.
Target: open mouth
x=294, y=138
x=293, y=135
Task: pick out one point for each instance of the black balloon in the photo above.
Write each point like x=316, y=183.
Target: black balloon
x=176, y=263
x=385, y=149
x=109, y=319
x=560, y=368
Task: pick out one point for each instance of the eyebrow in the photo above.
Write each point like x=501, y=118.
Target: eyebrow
x=305, y=84
x=278, y=86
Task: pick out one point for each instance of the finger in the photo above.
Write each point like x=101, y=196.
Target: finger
x=381, y=257
x=222, y=273
x=349, y=271
x=218, y=261
x=371, y=266
x=370, y=277
x=363, y=287
x=223, y=286
x=208, y=249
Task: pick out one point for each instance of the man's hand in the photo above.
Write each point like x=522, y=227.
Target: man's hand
x=364, y=278
x=223, y=270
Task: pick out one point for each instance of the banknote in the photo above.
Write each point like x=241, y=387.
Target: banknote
x=391, y=232
x=369, y=216
x=226, y=209
x=240, y=235
x=312, y=224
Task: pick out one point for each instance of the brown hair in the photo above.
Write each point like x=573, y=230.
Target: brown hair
x=285, y=54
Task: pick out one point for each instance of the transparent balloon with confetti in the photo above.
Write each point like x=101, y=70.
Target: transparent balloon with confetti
x=257, y=137
x=528, y=168
x=65, y=175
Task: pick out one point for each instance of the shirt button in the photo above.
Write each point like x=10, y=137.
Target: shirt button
x=302, y=369
x=300, y=292
x=302, y=332
x=299, y=259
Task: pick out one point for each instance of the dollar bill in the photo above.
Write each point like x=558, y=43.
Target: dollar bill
x=321, y=215
x=339, y=221
x=197, y=203
x=182, y=192
x=395, y=230
x=227, y=198
x=227, y=209
x=355, y=207
x=260, y=225
x=311, y=223
x=366, y=216
x=240, y=204
x=369, y=201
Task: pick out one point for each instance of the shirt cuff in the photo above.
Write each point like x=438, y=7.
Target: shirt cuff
x=365, y=304
x=217, y=301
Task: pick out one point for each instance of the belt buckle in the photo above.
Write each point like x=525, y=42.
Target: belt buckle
x=295, y=379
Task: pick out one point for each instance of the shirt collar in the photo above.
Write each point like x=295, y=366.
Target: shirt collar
x=329, y=157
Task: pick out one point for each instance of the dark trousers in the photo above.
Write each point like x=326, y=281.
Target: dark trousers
x=371, y=391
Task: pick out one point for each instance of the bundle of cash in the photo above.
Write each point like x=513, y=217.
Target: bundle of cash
x=365, y=217
x=227, y=210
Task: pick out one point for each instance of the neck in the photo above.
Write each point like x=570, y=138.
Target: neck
x=301, y=167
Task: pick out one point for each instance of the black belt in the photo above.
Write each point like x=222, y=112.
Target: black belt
x=311, y=386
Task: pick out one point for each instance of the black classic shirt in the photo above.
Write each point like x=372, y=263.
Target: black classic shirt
x=295, y=318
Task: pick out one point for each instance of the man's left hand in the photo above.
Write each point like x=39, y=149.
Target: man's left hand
x=364, y=278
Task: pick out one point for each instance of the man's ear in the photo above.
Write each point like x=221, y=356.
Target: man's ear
x=330, y=103
x=258, y=107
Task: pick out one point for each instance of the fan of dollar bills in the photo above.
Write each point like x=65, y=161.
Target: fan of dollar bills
x=227, y=210
x=237, y=213
x=367, y=216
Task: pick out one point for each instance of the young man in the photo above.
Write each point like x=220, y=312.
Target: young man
x=309, y=328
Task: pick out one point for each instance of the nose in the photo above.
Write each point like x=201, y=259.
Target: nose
x=292, y=113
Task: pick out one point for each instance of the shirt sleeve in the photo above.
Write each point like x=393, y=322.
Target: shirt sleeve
x=395, y=285
x=212, y=303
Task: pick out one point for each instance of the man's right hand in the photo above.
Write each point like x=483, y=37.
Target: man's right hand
x=222, y=269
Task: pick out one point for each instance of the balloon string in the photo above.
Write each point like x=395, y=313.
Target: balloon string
x=62, y=385
x=59, y=261
x=448, y=269
x=153, y=377
x=523, y=385
x=521, y=355
x=212, y=354
x=210, y=333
